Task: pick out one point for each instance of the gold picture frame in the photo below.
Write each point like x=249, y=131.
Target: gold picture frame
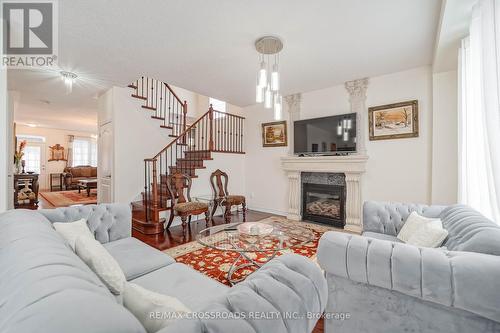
x=57, y=153
x=393, y=121
x=274, y=134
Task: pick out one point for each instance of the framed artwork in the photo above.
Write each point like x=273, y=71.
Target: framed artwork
x=274, y=134
x=393, y=121
x=57, y=153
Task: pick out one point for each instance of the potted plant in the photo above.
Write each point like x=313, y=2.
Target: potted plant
x=18, y=156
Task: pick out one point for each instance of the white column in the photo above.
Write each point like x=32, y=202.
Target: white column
x=293, y=103
x=294, y=195
x=353, y=202
x=357, y=98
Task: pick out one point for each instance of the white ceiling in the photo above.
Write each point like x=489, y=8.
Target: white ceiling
x=207, y=46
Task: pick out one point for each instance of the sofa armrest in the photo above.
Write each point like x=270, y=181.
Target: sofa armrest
x=389, y=217
x=108, y=222
x=288, y=289
x=465, y=280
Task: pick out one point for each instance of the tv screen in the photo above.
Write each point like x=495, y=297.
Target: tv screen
x=327, y=135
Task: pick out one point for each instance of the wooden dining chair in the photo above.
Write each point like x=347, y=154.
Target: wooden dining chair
x=182, y=205
x=219, y=181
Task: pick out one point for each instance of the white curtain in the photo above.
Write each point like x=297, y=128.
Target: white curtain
x=479, y=111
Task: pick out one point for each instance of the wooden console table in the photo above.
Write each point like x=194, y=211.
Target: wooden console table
x=19, y=182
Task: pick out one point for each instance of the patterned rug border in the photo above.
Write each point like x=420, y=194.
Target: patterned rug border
x=192, y=246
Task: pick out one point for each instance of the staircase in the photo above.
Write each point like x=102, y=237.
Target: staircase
x=213, y=132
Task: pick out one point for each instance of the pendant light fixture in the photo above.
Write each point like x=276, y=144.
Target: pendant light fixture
x=268, y=86
x=68, y=79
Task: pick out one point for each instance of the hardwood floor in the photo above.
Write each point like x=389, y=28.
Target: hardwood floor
x=174, y=237
x=42, y=203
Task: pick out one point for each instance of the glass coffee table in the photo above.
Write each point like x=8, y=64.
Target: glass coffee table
x=279, y=236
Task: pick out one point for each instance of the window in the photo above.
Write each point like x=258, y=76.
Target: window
x=84, y=152
x=32, y=156
x=217, y=105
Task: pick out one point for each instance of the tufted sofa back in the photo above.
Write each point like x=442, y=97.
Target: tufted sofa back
x=470, y=231
x=286, y=286
x=102, y=219
x=389, y=217
x=46, y=288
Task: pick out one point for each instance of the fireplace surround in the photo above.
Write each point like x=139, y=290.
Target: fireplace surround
x=353, y=166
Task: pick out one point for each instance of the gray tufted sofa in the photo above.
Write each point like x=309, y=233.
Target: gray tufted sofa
x=45, y=287
x=387, y=286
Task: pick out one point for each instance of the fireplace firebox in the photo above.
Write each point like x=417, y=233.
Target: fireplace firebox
x=324, y=203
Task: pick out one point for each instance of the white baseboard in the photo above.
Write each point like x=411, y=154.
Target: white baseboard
x=267, y=210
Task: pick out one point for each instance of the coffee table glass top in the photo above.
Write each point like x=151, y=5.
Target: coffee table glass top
x=284, y=235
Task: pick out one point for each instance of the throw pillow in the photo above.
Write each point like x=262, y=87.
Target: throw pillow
x=413, y=223
x=70, y=231
x=145, y=304
x=429, y=235
x=101, y=262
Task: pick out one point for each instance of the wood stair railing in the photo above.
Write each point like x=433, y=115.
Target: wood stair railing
x=215, y=131
x=166, y=106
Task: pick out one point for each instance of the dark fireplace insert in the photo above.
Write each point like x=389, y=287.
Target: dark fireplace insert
x=324, y=204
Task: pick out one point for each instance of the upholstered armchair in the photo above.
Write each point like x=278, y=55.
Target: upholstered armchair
x=182, y=205
x=219, y=181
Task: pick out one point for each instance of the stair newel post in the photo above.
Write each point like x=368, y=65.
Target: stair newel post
x=211, y=132
x=155, y=185
x=184, y=122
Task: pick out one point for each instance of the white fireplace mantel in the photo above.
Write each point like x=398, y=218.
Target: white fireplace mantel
x=353, y=166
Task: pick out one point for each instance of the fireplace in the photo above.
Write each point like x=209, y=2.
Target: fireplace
x=324, y=203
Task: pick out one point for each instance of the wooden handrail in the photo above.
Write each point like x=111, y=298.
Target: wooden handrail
x=180, y=135
x=173, y=93
x=186, y=131
x=232, y=115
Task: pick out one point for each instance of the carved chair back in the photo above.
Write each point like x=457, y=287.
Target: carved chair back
x=176, y=184
x=219, y=180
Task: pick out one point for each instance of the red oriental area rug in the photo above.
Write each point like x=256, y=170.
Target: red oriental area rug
x=215, y=264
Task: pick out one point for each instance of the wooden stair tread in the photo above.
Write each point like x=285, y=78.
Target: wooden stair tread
x=140, y=207
x=133, y=86
x=194, y=159
x=139, y=97
x=148, y=107
x=166, y=126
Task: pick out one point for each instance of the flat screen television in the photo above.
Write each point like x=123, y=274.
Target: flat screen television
x=325, y=136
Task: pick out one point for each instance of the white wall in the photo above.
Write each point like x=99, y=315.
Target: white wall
x=52, y=137
x=445, y=138
x=400, y=170
x=265, y=182
x=136, y=137
x=397, y=170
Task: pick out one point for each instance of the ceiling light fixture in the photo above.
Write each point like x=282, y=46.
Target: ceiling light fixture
x=268, y=88
x=68, y=78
